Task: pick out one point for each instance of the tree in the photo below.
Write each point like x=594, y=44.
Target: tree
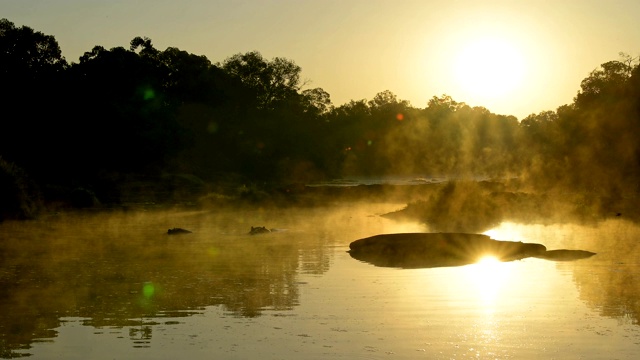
x=187, y=76
x=26, y=54
x=271, y=81
x=31, y=91
x=385, y=99
x=121, y=116
x=317, y=101
x=590, y=145
x=145, y=46
x=604, y=84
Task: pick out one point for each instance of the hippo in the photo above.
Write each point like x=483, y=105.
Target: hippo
x=259, y=230
x=178, y=231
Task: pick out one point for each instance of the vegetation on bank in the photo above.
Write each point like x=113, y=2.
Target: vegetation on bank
x=139, y=124
x=19, y=196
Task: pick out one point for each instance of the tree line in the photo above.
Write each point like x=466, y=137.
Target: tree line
x=144, y=111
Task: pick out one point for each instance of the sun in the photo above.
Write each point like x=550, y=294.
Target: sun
x=488, y=68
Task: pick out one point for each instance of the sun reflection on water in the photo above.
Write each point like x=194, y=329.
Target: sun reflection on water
x=488, y=277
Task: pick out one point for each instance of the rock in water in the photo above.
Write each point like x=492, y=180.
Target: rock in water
x=426, y=250
x=178, y=231
x=565, y=255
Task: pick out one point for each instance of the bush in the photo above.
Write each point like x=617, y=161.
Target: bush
x=19, y=196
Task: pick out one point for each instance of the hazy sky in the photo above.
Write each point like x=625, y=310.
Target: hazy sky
x=513, y=57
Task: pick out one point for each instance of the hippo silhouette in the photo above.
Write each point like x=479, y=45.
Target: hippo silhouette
x=259, y=230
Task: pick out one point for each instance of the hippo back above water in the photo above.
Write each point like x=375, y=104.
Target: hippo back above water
x=259, y=230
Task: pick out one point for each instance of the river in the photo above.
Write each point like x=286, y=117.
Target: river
x=115, y=285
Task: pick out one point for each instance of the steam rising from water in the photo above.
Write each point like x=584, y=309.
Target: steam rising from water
x=117, y=268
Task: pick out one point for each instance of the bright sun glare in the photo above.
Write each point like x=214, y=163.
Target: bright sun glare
x=488, y=260
x=488, y=275
x=489, y=68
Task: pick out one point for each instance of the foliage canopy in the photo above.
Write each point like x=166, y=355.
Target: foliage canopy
x=140, y=110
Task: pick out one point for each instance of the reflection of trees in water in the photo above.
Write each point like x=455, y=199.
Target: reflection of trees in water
x=316, y=258
x=611, y=285
x=255, y=276
x=613, y=290
x=141, y=335
x=116, y=271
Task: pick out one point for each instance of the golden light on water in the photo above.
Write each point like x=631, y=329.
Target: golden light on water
x=489, y=274
x=488, y=277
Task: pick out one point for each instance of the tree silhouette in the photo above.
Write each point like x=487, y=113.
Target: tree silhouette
x=591, y=146
x=271, y=81
x=141, y=111
x=31, y=70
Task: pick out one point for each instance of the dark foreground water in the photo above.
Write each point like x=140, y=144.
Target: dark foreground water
x=116, y=286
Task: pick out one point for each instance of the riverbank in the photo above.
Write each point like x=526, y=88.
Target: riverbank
x=444, y=204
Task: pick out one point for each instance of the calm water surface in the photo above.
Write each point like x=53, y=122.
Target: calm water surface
x=116, y=286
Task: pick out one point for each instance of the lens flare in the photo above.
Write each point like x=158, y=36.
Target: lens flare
x=148, y=290
x=148, y=94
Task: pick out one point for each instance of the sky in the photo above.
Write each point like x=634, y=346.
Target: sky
x=513, y=57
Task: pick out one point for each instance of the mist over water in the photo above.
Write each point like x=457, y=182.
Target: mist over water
x=240, y=144
x=114, y=268
x=117, y=278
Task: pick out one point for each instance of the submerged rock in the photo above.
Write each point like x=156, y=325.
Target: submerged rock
x=565, y=255
x=415, y=250
x=178, y=231
x=427, y=250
